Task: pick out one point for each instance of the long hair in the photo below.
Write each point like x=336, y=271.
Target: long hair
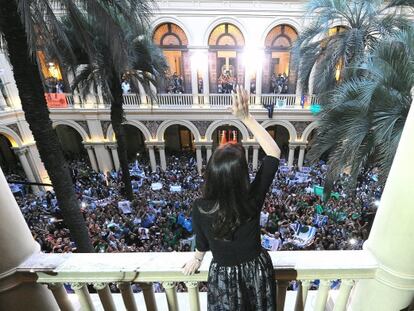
x=227, y=184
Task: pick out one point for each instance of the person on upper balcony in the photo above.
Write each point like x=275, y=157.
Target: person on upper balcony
x=226, y=220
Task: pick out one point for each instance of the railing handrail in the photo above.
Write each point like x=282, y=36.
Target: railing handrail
x=151, y=267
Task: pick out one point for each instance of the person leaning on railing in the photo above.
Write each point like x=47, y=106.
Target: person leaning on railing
x=226, y=221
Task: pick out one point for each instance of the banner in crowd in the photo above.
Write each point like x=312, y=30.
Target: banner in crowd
x=301, y=177
x=281, y=103
x=190, y=242
x=156, y=186
x=16, y=188
x=103, y=202
x=304, y=235
x=175, y=188
x=270, y=243
x=56, y=100
x=284, y=169
x=306, y=169
x=125, y=207
x=318, y=190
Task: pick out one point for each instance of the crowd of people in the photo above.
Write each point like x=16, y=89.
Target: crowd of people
x=279, y=83
x=159, y=218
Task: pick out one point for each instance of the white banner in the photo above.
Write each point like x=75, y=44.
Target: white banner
x=125, y=207
x=156, y=186
x=175, y=188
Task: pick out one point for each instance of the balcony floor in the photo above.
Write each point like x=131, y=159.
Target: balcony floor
x=184, y=304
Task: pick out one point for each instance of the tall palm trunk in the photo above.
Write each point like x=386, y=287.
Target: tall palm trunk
x=117, y=118
x=34, y=105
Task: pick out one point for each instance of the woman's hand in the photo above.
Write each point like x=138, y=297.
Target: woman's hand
x=191, y=266
x=240, y=103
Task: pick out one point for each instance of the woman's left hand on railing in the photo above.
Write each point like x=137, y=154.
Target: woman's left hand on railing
x=191, y=266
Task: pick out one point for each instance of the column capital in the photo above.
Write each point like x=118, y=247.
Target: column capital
x=158, y=144
x=20, y=151
x=99, y=286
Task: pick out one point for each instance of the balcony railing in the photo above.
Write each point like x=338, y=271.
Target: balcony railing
x=220, y=101
x=343, y=268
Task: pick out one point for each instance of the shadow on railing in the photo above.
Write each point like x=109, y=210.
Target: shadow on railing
x=79, y=270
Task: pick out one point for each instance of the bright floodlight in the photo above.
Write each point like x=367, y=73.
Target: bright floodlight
x=377, y=203
x=198, y=60
x=252, y=59
x=83, y=204
x=352, y=241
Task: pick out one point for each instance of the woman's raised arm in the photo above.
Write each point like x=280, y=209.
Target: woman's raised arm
x=241, y=111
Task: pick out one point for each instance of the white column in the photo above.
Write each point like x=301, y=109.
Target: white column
x=142, y=94
x=301, y=156
x=259, y=79
x=3, y=104
x=92, y=159
x=103, y=158
x=15, y=295
x=209, y=152
x=199, y=157
x=298, y=93
x=22, y=155
x=153, y=161
x=246, y=148
x=255, y=156
x=291, y=156
x=114, y=152
x=206, y=81
x=162, y=158
x=391, y=238
x=37, y=165
x=194, y=81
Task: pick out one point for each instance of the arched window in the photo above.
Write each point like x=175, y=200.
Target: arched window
x=226, y=35
x=170, y=35
x=225, y=42
x=172, y=40
x=277, y=75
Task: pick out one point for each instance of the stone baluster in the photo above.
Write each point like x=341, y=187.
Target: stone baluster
x=105, y=295
x=171, y=294
x=322, y=296
x=343, y=296
x=62, y=299
x=81, y=290
x=127, y=296
x=149, y=296
x=193, y=295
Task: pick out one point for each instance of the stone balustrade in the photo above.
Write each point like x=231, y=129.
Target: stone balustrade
x=101, y=269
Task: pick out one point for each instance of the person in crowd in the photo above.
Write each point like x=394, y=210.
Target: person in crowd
x=226, y=220
x=126, y=87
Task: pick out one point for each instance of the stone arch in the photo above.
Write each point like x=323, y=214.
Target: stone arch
x=293, y=136
x=164, y=125
x=110, y=135
x=237, y=124
x=282, y=21
x=223, y=20
x=75, y=126
x=173, y=20
x=308, y=130
x=12, y=136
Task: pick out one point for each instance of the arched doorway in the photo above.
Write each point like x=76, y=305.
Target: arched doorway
x=226, y=43
x=281, y=136
x=226, y=133
x=179, y=140
x=278, y=76
x=135, y=144
x=71, y=142
x=173, y=42
x=9, y=162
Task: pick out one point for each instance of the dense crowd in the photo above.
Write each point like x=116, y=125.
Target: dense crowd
x=159, y=218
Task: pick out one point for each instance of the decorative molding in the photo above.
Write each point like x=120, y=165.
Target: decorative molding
x=300, y=126
x=152, y=126
x=202, y=126
x=85, y=126
x=15, y=128
x=99, y=286
x=105, y=125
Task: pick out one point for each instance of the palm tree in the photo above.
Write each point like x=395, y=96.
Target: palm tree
x=21, y=23
x=363, y=120
x=329, y=53
x=139, y=58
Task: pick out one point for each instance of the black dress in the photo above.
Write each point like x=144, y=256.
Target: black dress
x=241, y=275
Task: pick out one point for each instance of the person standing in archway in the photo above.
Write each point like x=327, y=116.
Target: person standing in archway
x=226, y=220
